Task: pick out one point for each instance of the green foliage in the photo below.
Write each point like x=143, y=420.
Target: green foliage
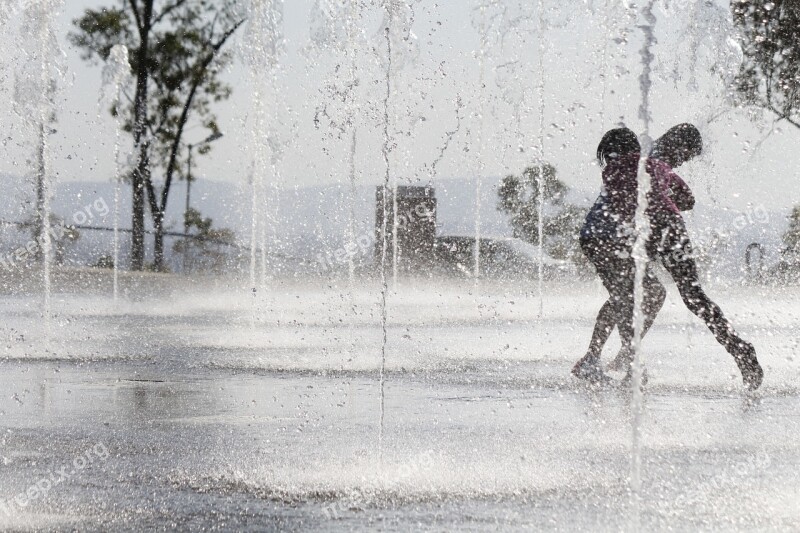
x=769, y=77
x=518, y=197
x=562, y=231
x=105, y=262
x=159, y=269
x=791, y=238
x=184, y=60
x=176, y=53
x=99, y=30
x=62, y=236
x=210, y=249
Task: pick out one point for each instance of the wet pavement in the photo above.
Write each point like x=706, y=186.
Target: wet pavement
x=212, y=411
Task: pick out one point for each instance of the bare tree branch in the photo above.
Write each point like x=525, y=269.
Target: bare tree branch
x=196, y=83
x=137, y=13
x=167, y=10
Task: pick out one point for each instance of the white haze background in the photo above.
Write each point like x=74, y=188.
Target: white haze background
x=748, y=165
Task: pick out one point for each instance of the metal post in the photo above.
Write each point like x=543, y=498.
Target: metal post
x=211, y=138
x=186, y=211
x=188, y=193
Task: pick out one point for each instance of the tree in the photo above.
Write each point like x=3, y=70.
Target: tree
x=62, y=237
x=208, y=249
x=791, y=238
x=769, y=76
x=176, y=57
x=562, y=230
x=519, y=197
x=788, y=268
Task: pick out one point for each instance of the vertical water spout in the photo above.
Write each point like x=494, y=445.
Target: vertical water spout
x=387, y=29
x=540, y=185
x=640, y=257
x=480, y=137
x=115, y=75
x=34, y=102
x=352, y=18
x=262, y=51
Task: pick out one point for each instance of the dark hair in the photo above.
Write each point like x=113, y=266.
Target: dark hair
x=679, y=144
x=616, y=143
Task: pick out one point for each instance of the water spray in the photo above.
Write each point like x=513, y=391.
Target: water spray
x=115, y=75
x=384, y=223
x=640, y=257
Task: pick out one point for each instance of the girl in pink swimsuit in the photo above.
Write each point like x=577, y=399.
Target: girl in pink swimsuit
x=669, y=242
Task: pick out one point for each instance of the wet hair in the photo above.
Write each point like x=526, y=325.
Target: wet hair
x=678, y=145
x=616, y=143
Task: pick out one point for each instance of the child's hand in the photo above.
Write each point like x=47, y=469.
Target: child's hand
x=684, y=202
x=681, y=194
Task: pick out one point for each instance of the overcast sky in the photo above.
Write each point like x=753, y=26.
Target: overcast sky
x=591, y=70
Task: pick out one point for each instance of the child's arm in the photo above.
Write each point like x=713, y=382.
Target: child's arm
x=681, y=193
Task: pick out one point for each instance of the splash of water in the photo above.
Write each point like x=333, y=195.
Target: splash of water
x=253, y=243
x=694, y=50
x=352, y=18
x=640, y=253
x=334, y=29
x=448, y=139
x=262, y=245
x=115, y=76
x=540, y=178
x=384, y=224
x=479, y=152
x=34, y=101
x=351, y=15
x=605, y=24
x=263, y=47
x=401, y=45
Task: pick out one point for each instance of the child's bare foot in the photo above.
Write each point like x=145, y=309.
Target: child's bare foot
x=752, y=373
x=621, y=363
x=588, y=368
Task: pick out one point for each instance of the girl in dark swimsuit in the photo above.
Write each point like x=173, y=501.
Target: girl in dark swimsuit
x=607, y=240
x=669, y=242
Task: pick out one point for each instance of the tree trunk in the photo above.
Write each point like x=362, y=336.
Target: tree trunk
x=158, y=245
x=140, y=173
x=158, y=213
x=137, y=222
x=158, y=209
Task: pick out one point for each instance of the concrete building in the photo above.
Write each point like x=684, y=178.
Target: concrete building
x=415, y=226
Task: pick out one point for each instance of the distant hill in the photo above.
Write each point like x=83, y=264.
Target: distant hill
x=308, y=221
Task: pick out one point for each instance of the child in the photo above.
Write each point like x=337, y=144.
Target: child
x=606, y=240
x=670, y=242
